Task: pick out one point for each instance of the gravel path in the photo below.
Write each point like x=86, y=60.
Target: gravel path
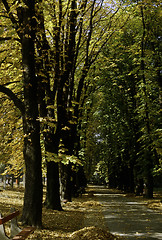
x=128, y=216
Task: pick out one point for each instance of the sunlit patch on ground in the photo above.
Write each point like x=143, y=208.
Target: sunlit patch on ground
x=75, y=222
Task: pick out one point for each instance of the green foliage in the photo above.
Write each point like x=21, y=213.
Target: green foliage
x=102, y=172
x=62, y=158
x=98, y=67
x=127, y=117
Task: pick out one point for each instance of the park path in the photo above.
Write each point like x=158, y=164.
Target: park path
x=129, y=216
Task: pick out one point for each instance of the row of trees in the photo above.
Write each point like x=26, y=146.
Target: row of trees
x=79, y=74
x=128, y=132
x=47, y=51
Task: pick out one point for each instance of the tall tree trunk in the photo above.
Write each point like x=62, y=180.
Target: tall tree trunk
x=53, y=184
x=66, y=181
x=68, y=137
x=46, y=98
x=32, y=209
x=65, y=170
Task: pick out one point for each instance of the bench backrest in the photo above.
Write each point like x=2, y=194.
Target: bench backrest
x=9, y=217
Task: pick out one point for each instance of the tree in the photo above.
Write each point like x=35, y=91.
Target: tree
x=25, y=27
x=65, y=56
x=129, y=111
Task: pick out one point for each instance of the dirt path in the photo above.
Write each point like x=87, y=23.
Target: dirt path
x=128, y=216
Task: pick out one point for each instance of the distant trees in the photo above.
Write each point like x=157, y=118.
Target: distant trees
x=128, y=130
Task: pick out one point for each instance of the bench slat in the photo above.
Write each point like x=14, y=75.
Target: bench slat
x=24, y=233
x=9, y=217
x=2, y=232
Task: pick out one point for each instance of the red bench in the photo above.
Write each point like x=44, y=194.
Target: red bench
x=16, y=232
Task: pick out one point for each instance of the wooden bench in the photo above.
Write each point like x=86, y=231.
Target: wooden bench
x=16, y=232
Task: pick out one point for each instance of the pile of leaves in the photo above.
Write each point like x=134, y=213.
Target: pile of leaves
x=154, y=204
x=92, y=233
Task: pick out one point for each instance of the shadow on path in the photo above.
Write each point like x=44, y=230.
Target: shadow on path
x=128, y=216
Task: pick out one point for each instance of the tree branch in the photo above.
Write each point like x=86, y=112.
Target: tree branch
x=12, y=18
x=18, y=103
x=9, y=38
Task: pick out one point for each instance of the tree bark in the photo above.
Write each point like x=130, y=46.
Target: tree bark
x=46, y=98
x=53, y=195
x=32, y=209
x=53, y=185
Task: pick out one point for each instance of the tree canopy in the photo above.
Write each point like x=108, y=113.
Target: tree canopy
x=81, y=87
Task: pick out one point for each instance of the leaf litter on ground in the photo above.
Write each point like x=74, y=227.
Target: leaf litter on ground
x=81, y=219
